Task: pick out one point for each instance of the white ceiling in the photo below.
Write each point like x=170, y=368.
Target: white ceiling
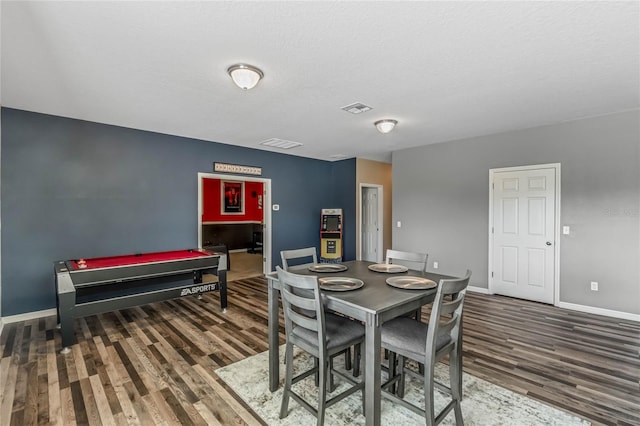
x=444, y=70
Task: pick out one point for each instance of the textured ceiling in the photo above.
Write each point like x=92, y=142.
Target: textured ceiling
x=444, y=70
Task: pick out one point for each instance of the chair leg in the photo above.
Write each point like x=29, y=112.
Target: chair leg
x=284, y=408
x=325, y=374
x=332, y=384
x=401, y=382
x=393, y=370
x=429, y=409
x=459, y=363
x=317, y=375
x=455, y=380
x=347, y=359
x=356, y=360
x=362, y=360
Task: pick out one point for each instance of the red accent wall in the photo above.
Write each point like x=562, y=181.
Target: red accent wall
x=253, y=199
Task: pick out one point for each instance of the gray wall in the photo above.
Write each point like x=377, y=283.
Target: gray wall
x=75, y=189
x=441, y=195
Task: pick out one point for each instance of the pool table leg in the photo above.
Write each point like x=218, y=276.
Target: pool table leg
x=66, y=308
x=222, y=279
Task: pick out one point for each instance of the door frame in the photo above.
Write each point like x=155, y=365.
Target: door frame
x=556, y=228
x=380, y=239
x=266, y=208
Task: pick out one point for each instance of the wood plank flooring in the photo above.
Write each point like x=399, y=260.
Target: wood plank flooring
x=154, y=364
x=585, y=364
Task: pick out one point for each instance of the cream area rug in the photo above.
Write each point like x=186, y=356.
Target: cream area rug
x=483, y=403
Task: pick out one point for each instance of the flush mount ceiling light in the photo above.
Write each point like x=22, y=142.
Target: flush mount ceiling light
x=245, y=76
x=385, y=126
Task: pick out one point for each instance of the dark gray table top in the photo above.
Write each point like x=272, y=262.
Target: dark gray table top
x=376, y=296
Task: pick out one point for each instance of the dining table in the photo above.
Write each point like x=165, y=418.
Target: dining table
x=374, y=303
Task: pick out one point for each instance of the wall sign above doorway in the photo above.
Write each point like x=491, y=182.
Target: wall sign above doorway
x=237, y=168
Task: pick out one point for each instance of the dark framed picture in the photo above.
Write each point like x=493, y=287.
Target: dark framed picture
x=232, y=197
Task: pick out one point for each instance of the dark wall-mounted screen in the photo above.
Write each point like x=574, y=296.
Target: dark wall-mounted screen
x=333, y=223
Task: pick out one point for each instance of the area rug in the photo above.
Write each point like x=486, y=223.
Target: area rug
x=483, y=404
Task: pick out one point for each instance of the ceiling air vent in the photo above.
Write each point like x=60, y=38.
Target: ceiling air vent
x=280, y=143
x=357, y=108
x=338, y=156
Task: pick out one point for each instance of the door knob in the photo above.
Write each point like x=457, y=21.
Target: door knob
x=548, y=243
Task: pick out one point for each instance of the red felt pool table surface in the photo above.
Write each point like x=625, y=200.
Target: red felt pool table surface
x=137, y=259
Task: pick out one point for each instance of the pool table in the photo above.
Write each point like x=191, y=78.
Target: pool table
x=90, y=286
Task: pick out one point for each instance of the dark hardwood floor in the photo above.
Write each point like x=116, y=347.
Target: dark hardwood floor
x=155, y=364
x=585, y=364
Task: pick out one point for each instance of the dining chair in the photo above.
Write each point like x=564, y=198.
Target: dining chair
x=309, y=257
x=416, y=261
x=428, y=343
x=412, y=260
x=319, y=333
x=306, y=254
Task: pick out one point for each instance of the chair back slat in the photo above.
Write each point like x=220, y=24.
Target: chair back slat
x=306, y=255
x=300, y=301
x=415, y=261
x=301, y=309
x=446, y=326
x=449, y=306
x=302, y=320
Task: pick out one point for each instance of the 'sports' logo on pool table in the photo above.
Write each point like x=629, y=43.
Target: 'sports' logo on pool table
x=198, y=289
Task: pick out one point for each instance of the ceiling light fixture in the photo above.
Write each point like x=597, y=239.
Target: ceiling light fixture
x=245, y=76
x=385, y=126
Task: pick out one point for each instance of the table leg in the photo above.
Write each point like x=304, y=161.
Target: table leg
x=372, y=377
x=274, y=349
x=66, y=310
x=222, y=280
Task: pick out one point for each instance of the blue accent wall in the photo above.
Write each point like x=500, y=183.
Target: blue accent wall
x=344, y=180
x=75, y=189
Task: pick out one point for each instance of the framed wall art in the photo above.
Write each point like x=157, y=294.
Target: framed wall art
x=232, y=197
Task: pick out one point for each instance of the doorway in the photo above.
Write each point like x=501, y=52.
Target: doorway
x=371, y=222
x=524, y=217
x=257, y=254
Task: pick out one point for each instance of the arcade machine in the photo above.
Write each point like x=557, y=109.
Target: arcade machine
x=331, y=236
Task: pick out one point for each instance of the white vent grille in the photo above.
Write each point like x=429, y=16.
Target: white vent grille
x=338, y=156
x=280, y=143
x=357, y=108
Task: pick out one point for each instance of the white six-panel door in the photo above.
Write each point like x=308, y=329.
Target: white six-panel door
x=523, y=234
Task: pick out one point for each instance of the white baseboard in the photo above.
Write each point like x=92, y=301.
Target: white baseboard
x=478, y=289
x=29, y=316
x=599, y=311
x=580, y=308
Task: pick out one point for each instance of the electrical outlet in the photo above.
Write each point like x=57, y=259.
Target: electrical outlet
x=435, y=265
x=594, y=285
x=399, y=224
